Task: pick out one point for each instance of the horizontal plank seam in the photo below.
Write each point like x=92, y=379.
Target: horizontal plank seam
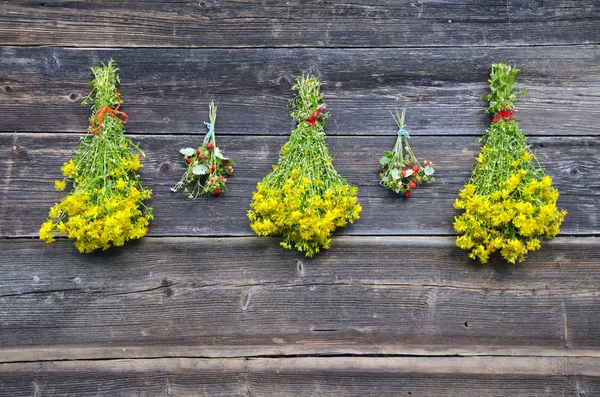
x=286, y=134
x=299, y=46
x=293, y=356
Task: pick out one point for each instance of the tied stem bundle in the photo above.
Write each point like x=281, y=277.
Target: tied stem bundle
x=206, y=165
x=401, y=171
x=304, y=198
x=508, y=202
x=105, y=207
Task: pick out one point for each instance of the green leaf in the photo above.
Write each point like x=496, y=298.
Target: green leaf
x=395, y=173
x=200, y=169
x=429, y=170
x=385, y=160
x=388, y=154
x=187, y=151
x=385, y=179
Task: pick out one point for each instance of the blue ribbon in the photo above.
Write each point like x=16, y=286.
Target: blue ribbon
x=211, y=130
x=403, y=132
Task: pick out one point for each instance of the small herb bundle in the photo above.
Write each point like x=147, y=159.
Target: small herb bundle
x=206, y=165
x=401, y=170
x=105, y=207
x=304, y=198
x=509, y=202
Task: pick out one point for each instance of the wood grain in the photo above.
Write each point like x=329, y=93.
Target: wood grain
x=309, y=376
x=167, y=90
x=217, y=23
x=33, y=163
x=214, y=294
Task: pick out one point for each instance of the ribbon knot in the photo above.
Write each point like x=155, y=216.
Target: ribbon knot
x=403, y=132
x=98, y=118
x=312, y=120
x=211, y=130
x=504, y=114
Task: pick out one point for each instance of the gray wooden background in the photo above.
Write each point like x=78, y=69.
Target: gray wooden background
x=203, y=307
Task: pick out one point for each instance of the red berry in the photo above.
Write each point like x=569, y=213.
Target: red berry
x=200, y=157
x=408, y=164
x=416, y=168
x=210, y=146
x=412, y=185
x=213, y=168
x=230, y=169
x=224, y=161
x=212, y=179
x=198, y=151
x=403, y=172
x=189, y=160
x=216, y=191
x=407, y=194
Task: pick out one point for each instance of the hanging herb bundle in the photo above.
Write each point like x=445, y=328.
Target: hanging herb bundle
x=509, y=202
x=105, y=207
x=304, y=198
x=206, y=165
x=401, y=170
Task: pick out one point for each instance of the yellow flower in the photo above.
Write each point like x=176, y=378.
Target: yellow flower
x=47, y=231
x=120, y=185
x=60, y=185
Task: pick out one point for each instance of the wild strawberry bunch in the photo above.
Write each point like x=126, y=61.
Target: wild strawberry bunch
x=304, y=198
x=206, y=165
x=508, y=203
x=401, y=171
x=105, y=207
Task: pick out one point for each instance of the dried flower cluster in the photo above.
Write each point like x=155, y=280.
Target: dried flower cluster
x=206, y=165
x=508, y=203
x=304, y=198
x=105, y=207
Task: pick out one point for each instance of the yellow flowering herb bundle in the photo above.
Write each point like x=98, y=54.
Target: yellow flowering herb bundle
x=105, y=207
x=304, y=198
x=400, y=168
x=509, y=202
x=206, y=165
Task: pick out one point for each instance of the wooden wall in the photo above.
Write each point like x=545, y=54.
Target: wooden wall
x=201, y=306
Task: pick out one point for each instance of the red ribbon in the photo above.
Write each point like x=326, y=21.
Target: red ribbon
x=114, y=113
x=504, y=115
x=312, y=120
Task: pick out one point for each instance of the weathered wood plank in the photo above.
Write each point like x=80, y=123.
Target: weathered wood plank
x=406, y=376
x=167, y=90
x=384, y=295
x=211, y=23
x=33, y=162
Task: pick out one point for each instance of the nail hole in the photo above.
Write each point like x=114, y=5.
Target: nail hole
x=168, y=292
x=202, y=4
x=73, y=96
x=533, y=5
x=574, y=172
x=300, y=267
x=8, y=89
x=541, y=145
x=165, y=282
x=466, y=324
